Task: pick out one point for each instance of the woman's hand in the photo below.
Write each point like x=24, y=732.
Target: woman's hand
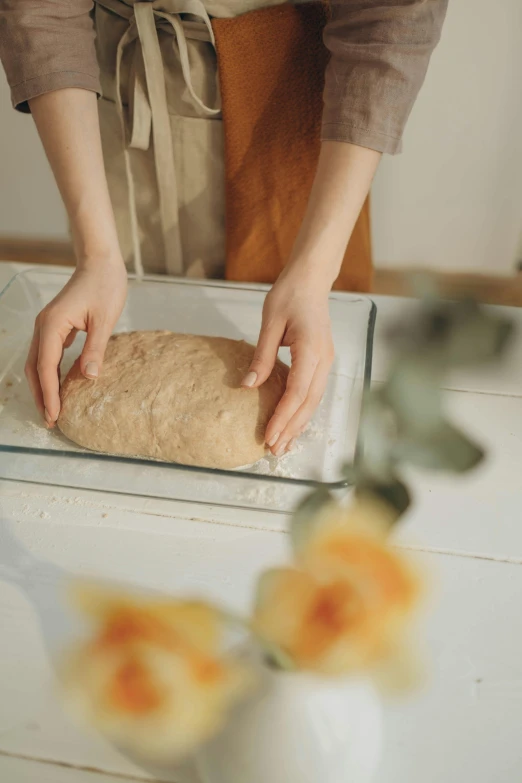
x=296, y=309
x=295, y=315
x=92, y=302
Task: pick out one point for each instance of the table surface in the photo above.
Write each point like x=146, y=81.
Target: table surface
x=465, y=723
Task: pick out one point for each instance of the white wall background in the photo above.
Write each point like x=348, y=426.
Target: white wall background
x=30, y=204
x=452, y=200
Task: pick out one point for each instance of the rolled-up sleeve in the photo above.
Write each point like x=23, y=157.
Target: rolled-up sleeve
x=47, y=45
x=380, y=50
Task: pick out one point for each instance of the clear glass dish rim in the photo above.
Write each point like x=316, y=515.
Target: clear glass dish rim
x=194, y=469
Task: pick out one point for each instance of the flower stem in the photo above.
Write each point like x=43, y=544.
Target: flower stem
x=274, y=655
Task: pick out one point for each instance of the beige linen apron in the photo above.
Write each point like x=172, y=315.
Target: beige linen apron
x=162, y=132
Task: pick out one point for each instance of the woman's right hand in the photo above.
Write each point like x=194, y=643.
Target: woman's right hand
x=92, y=302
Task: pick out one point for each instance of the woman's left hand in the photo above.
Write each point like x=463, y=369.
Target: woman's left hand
x=296, y=311
x=295, y=315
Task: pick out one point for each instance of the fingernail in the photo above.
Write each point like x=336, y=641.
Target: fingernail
x=291, y=445
x=91, y=370
x=273, y=440
x=249, y=379
x=49, y=419
x=281, y=450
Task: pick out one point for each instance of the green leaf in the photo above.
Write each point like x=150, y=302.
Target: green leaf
x=394, y=493
x=478, y=335
x=306, y=515
x=423, y=285
x=275, y=656
x=378, y=432
x=444, y=448
x=452, y=333
x=349, y=472
x=413, y=394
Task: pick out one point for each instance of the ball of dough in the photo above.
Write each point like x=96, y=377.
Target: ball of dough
x=172, y=397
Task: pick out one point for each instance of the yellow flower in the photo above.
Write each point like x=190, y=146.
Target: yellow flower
x=152, y=677
x=352, y=543
x=345, y=605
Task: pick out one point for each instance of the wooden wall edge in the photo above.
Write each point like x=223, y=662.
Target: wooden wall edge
x=491, y=289
x=58, y=252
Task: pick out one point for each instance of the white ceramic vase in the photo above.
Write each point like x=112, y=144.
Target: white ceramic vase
x=299, y=728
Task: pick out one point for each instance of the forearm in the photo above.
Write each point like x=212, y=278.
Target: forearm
x=343, y=179
x=67, y=121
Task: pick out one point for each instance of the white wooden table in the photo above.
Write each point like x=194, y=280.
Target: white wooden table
x=466, y=725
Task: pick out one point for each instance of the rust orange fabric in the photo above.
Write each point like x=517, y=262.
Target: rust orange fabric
x=271, y=64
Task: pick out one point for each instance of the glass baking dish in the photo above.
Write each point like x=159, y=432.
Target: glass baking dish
x=29, y=452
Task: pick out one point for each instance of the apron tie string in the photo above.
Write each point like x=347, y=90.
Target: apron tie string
x=149, y=109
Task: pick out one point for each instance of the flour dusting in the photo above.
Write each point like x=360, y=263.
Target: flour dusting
x=41, y=437
x=278, y=466
x=313, y=431
x=259, y=495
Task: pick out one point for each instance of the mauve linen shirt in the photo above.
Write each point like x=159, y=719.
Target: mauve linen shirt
x=380, y=51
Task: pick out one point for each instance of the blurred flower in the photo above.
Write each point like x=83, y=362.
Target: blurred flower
x=353, y=543
x=346, y=604
x=152, y=677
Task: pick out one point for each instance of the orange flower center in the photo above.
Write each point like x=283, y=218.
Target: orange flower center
x=334, y=611
x=206, y=670
x=132, y=689
x=380, y=569
x=328, y=611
